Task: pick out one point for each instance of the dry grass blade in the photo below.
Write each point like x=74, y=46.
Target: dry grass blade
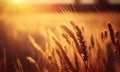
x=76, y=62
x=3, y=64
x=62, y=61
x=16, y=69
x=118, y=43
x=33, y=63
x=19, y=65
x=36, y=46
x=56, y=61
x=53, y=62
x=64, y=65
x=30, y=59
x=65, y=36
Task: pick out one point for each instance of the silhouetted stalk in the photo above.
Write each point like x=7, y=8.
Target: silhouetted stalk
x=76, y=62
x=92, y=41
x=64, y=55
x=65, y=36
x=111, y=33
x=118, y=43
x=81, y=43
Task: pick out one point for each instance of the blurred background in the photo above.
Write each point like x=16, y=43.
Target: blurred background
x=40, y=15
x=37, y=15
x=20, y=18
x=55, y=5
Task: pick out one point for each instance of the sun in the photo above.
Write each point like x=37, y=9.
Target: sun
x=17, y=1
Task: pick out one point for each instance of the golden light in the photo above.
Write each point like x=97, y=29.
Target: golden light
x=17, y=1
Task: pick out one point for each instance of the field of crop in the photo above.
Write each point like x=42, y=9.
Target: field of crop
x=60, y=42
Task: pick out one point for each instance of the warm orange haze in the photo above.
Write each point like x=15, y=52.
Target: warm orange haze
x=59, y=36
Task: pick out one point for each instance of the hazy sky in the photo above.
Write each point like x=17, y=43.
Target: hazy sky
x=50, y=1
x=42, y=1
x=61, y=1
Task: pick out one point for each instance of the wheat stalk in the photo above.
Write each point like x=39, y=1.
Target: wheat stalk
x=71, y=67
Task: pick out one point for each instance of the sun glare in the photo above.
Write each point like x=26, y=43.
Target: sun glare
x=17, y=1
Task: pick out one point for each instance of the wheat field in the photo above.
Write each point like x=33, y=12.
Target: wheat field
x=60, y=42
